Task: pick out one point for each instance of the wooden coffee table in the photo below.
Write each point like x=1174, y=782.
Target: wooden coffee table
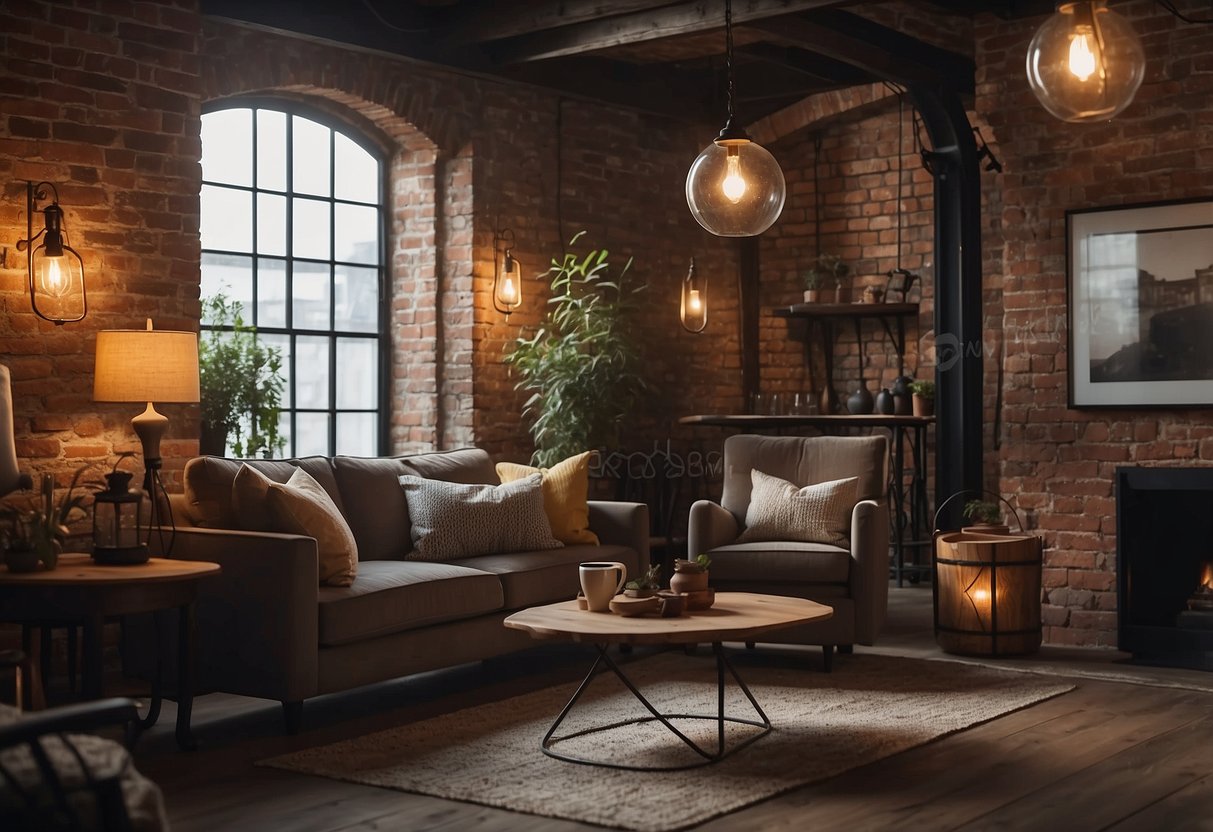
x=736, y=616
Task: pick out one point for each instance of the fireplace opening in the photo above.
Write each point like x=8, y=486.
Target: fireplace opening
x=1164, y=564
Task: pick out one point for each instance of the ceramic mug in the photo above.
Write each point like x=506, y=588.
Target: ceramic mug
x=599, y=585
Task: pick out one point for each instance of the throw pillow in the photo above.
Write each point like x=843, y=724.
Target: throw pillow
x=250, y=500
x=566, y=491
x=819, y=513
x=453, y=520
x=302, y=506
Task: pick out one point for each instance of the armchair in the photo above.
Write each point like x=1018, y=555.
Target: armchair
x=853, y=579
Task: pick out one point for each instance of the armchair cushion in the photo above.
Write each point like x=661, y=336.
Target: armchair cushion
x=818, y=513
x=790, y=562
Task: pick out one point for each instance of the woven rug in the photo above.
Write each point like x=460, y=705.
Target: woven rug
x=869, y=708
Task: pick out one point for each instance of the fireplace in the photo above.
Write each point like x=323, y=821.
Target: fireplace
x=1164, y=565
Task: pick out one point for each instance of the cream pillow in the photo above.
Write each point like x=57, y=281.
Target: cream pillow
x=566, y=491
x=250, y=500
x=819, y=513
x=454, y=520
x=302, y=506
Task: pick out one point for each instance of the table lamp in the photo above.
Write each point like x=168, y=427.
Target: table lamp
x=147, y=365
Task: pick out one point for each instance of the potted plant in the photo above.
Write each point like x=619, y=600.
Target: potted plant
x=581, y=366
x=646, y=585
x=985, y=517
x=690, y=575
x=923, y=393
x=812, y=286
x=34, y=536
x=240, y=380
x=827, y=275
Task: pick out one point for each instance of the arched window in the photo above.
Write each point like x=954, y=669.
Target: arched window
x=292, y=228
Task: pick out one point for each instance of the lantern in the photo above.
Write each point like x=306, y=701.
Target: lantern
x=118, y=522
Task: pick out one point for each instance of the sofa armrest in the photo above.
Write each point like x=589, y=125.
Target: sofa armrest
x=621, y=524
x=708, y=526
x=257, y=621
x=870, y=568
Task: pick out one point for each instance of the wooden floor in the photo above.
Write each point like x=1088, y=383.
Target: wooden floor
x=1111, y=755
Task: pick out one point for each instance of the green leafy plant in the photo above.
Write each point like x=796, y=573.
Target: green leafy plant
x=699, y=564
x=926, y=389
x=826, y=268
x=982, y=511
x=651, y=579
x=42, y=526
x=581, y=365
x=241, y=381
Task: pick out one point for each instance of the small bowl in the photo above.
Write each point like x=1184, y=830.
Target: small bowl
x=672, y=603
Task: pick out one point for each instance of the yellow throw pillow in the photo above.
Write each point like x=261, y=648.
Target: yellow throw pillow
x=566, y=490
x=302, y=506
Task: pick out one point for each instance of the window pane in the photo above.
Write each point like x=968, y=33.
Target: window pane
x=357, y=233
x=283, y=343
x=313, y=436
x=356, y=434
x=271, y=224
x=312, y=365
x=227, y=147
x=271, y=292
x=356, y=173
x=271, y=150
x=284, y=430
x=310, y=167
x=230, y=275
x=227, y=219
x=310, y=296
x=357, y=373
x=356, y=304
x=310, y=233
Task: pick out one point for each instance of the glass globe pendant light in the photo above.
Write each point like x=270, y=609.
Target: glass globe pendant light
x=735, y=187
x=1085, y=63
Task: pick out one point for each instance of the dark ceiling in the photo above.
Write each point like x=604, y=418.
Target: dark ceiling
x=662, y=57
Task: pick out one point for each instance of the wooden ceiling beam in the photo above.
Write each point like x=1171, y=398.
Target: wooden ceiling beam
x=882, y=52
x=485, y=20
x=819, y=67
x=669, y=21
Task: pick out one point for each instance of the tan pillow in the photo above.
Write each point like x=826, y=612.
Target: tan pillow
x=250, y=500
x=566, y=490
x=302, y=506
x=819, y=513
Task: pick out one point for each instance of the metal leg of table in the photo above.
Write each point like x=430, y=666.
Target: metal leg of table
x=185, y=677
x=604, y=660
x=153, y=708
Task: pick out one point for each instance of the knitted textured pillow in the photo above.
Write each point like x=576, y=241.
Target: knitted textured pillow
x=452, y=520
x=566, y=488
x=819, y=513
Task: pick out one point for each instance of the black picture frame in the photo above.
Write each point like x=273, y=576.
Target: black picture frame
x=1139, y=305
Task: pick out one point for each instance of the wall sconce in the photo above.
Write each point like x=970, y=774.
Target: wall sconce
x=1085, y=62
x=56, y=272
x=693, y=310
x=507, y=275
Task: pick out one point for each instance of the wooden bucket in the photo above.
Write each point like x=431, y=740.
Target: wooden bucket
x=987, y=593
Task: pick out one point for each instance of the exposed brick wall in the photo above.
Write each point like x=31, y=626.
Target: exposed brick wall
x=1059, y=462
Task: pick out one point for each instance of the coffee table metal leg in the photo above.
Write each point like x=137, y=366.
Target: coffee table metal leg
x=722, y=663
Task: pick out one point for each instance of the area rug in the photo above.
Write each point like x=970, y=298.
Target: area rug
x=869, y=708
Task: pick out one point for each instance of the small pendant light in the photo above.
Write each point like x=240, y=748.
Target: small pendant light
x=734, y=187
x=693, y=310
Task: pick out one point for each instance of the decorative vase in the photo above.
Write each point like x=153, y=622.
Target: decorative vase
x=22, y=560
x=826, y=405
x=923, y=406
x=860, y=402
x=688, y=577
x=901, y=386
x=842, y=294
x=884, y=402
x=212, y=440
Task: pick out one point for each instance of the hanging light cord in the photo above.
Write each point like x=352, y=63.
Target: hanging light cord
x=1170, y=6
x=728, y=50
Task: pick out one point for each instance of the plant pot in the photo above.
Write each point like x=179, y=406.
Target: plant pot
x=22, y=560
x=923, y=406
x=212, y=440
x=689, y=580
x=811, y=295
x=639, y=593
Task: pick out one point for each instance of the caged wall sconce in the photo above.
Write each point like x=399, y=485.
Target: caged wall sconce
x=507, y=275
x=55, y=269
x=693, y=309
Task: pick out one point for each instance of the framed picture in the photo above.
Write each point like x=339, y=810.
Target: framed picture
x=1139, y=284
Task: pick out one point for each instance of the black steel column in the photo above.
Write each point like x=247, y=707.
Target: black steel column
x=748, y=312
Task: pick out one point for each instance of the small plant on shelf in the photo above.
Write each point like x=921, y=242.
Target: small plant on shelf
x=827, y=271
x=923, y=399
x=647, y=584
x=926, y=389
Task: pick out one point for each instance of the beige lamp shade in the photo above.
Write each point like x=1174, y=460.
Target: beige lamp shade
x=146, y=365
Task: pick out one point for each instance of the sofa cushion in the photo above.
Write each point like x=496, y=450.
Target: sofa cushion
x=375, y=505
x=208, y=484
x=782, y=562
x=817, y=513
x=301, y=506
x=566, y=491
x=455, y=520
x=390, y=596
x=548, y=575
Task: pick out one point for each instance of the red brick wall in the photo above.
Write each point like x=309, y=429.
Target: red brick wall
x=1058, y=462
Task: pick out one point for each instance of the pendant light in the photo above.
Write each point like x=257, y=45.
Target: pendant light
x=734, y=187
x=1085, y=63
x=693, y=309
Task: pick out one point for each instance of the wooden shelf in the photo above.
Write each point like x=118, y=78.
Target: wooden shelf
x=847, y=310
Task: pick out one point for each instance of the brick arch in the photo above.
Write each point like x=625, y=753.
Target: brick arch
x=427, y=150
x=820, y=107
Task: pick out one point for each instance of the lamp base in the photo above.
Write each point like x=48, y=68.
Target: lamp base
x=121, y=555
x=149, y=427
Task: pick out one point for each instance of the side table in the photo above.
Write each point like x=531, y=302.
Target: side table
x=82, y=592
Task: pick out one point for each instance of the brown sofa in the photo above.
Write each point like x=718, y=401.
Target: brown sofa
x=265, y=627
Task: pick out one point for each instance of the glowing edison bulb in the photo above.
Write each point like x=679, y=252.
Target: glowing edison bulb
x=509, y=293
x=981, y=596
x=52, y=279
x=1082, y=57
x=693, y=301
x=734, y=183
